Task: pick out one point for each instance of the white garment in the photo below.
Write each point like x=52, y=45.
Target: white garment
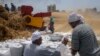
x=16, y=49
x=36, y=35
x=64, y=50
x=5, y=52
x=30, y=50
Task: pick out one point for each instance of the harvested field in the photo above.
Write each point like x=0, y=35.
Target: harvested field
x=61, y=23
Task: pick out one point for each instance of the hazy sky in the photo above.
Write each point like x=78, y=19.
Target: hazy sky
x=41, y=5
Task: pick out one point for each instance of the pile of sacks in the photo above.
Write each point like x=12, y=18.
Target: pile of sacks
x=16, y=47
x=13, y=47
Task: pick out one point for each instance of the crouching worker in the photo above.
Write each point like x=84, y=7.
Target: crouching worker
x=35, y=49
x=31, y=48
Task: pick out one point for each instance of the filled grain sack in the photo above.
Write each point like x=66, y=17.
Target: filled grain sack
x=55, y=37
x=16, y=49
x=5, y=52
x=25, y=43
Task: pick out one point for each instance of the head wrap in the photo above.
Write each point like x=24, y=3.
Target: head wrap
x=36, y=35
x=75, y=17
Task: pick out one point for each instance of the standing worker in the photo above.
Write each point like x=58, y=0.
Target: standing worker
x=51, y=24
x=13, y=7
x=6, y=7
x=83, y=37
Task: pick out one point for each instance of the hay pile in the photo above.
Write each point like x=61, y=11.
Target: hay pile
x=4, y=33
x=15, y=22
x=11, y=25
x=3, y=13
x=1, y=8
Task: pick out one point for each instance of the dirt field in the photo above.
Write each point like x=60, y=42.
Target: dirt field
x=61, y=23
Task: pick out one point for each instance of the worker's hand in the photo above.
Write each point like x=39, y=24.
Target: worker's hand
x=73, y=52
x=65, y=41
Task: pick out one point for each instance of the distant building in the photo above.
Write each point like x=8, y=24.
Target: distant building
x=52, y=8
x=63, y=11
x=92, y=10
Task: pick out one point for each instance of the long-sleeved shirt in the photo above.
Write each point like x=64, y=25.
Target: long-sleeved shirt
x=84, y=40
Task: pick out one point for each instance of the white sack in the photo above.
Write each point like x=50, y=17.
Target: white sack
x=5, y=52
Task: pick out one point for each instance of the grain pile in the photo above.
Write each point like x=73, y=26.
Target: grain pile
x=11, y=25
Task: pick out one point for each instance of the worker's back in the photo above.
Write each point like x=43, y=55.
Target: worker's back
x=87, y=39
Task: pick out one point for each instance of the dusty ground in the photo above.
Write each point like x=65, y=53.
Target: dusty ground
x=62, y=25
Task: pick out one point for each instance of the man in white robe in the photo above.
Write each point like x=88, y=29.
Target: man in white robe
x=30, y=49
